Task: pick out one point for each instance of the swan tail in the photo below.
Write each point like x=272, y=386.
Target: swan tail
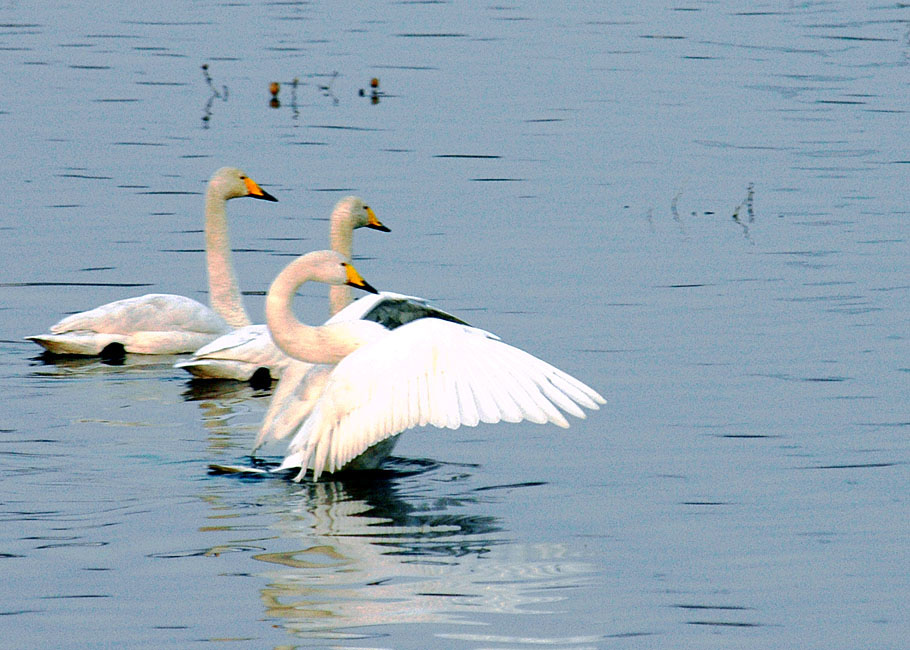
x=76, y=343
x=218, y=369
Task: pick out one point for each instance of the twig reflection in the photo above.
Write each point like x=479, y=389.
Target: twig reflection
x=749, y=217
x=326, y=88
x=216, y=94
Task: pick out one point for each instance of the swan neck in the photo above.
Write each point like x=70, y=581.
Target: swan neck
x=341, y=237
x=339, y=298
x=224, y=290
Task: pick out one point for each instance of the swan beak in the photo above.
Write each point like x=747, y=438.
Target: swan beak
x=356, y=280
x=257, y=192
x=373, y=222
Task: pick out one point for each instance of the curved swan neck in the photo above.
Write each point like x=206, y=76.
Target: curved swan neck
x=322, y=344
x=341, y=239
x=224, y=290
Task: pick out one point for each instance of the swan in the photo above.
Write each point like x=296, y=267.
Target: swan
x=301, y=383
x=159, y=323
x=248, y=353
x=375, y=383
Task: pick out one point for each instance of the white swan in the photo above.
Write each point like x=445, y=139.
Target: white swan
x=301, y=383
x=158, y=323
x=379, y=382
x=248, y=353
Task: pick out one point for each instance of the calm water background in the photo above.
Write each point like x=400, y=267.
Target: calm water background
x=699, y=208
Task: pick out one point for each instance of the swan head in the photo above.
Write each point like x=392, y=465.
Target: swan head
x=231, y=183
x=355, y=213
x=354, y=279
x=324, y=343
x=327, y=267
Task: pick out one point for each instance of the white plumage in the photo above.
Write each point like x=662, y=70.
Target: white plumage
x=239, y=354
x=302, y=383
x=429, y=372
x=162, y=323
x=379, y=382
x=156, y=323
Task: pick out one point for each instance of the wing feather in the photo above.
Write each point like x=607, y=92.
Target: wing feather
x=429, y=372
x=569, y=386
x=494, y=382
x=467, y=402
x=296, y=394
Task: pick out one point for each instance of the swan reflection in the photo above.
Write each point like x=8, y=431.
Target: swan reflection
x=46, y=364
x=384, y=548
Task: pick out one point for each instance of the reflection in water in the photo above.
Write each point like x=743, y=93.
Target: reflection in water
x=295, y=111
x=374, y=93
x=47, y=364
x=326, y=88
x=214, y=389
x=749, y=217
x=382, y=548
x=743, y=214
x=228, y=408
x=216, y=94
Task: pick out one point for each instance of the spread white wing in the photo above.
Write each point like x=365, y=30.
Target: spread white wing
x=432, y=372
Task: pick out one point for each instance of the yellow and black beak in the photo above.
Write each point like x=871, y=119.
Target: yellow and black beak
x=255, y=191
x=356, y=280
x=373, y=222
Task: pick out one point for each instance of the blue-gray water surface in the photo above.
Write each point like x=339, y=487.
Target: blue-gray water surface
x=699, y=208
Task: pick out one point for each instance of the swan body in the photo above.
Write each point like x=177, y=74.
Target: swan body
x=166, y=323
x=136, y=324
x=237, y=354
x=377, y=383
x=246, y=351
x=301, y=383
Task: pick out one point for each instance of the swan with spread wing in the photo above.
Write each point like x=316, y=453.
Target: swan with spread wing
x=370, y=383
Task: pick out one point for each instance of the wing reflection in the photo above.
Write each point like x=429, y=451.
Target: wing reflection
x=384, y=549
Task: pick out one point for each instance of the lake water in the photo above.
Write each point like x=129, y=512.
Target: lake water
x=699, y=208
